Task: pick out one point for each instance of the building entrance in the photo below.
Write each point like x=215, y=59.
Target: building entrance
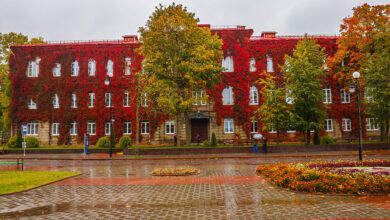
x=201, y=127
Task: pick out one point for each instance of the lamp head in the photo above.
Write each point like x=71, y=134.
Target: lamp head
x=356, y=75
x=351, y=88
x=107, y=81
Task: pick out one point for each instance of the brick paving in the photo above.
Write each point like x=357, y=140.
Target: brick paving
x=225, y=189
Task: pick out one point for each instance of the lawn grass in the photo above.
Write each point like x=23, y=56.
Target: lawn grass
x=14, y=181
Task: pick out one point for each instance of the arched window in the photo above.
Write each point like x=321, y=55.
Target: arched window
x=33, y=68
x=253, y=96
x=75, y=68
x=91, y=67
x=227, y=64
x=227, y=96
x=110, y=68
x=56, y=102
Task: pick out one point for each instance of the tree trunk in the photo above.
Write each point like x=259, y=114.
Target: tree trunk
x=383, y=133
x=137, y=118
x=308, y=137
x=187, y=123
x=277, y=138
x=178, y=129
x=387, y=132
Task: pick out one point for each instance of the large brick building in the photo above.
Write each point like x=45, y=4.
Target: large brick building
x=58, y=90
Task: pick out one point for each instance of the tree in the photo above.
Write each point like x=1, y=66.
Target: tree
x=180, y=58
x=305, y=73
x=6, y=40
x=275, y=111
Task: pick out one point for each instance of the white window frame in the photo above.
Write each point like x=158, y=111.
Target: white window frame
x=110, y=68
x=127, y=127
x=371, y=125
x=289, y=98
x=345, y=96
x=196, y=100
x=144, y=100
x=346, y=124
x=56, y=101
x=32, y=128
x=228, y=64
x=107, y=128
x=254, y=126
x=75, y=68
x=127, y=66
x=55, y=129
x=126, y=99
x=270, y=64
x=57, y=70
x=33, y=68
x=145, y=127
x=253, y=96
x=31, y=104
x=327, y=95
x=91, y=100
x=91, y=128
x=328, y=125
x=252, y=65
x=73, y=103
x=228, y=96
x=91, y=67
x=272, y=131
x=108, y=99
x=228, y=125
x=170, y=127
x=368, y=94
x=73, y=129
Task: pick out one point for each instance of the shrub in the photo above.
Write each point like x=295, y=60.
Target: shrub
x=32, y=142
x=12, y=142
x=327, y=140
x=19, y=139
x=125, y=142
x=103, y=142
x=206, y=143
x=316, y=138
x=213, y=140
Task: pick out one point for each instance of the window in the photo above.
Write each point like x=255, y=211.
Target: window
x=287, y=65
x=144, y=100
x=227, y=96
x=328, y=125
x=108, y=99
x=324, y=61
x=33, y=68
x=127, y=127
x=57, y=70
x=56, y=102
x=91, y=67
x=75, y=68
x=127, y=66
x=346, y=124
x=32, y=128
x=32, y=104
x=368, y=94
x=327, y=95
x=345, y=96
x=107, y=128
x=272, y=129
x=145, y=127
x=126, y=100
x=227, y=64
x=254, y=128
x=169, y=127
x=198, y=98
x=252, y=65
x=110, y=68
x=54, y=129
x=291, y=131
x=289, y=98
x=253, y=96
x=91, y=128
x=371, y=125
x=73, y=104
x=228, y=122
x=91, y=101
x=73, y=128
x=270, y=64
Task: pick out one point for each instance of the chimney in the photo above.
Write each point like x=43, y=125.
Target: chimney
x=269, y=34
x=130, y=38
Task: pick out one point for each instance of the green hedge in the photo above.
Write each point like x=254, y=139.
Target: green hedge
x=103, y=142
x=31, y=142
x=125, y=142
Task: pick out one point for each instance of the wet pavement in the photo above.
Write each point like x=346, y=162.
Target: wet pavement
x=226, y=188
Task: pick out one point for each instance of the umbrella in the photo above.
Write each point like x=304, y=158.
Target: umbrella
x=257, y=136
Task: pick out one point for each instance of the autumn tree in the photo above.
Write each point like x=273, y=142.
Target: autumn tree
x=180, y=58
x=305, y=74
x=275, y=111
x=364, y=47
x=6, y=40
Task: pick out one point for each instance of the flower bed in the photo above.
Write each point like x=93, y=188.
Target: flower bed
x=175, y=171
x=342, y=177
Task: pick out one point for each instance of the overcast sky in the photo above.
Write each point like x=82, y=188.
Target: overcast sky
x=110, y=19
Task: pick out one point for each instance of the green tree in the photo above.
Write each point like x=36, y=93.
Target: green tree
x=180, y=58
x=6, y=40
x=305, y=73
x=275, y=111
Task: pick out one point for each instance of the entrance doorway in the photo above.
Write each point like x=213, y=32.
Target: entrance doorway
x=201, y=127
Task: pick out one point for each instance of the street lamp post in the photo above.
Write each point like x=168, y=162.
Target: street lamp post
x=108, y=82
x=356, y=76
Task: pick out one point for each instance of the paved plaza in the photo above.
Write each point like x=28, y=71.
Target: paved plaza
x=226, y=188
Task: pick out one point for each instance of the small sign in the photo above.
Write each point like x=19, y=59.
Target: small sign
x=24, y=129
x=24, y=144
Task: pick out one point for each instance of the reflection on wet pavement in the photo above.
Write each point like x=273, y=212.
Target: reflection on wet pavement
x=243, y=199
